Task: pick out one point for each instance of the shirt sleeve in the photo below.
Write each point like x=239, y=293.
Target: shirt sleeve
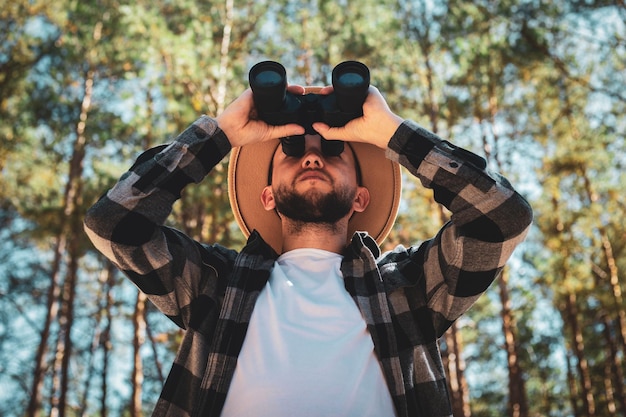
x=179, y=275
x=489, y=219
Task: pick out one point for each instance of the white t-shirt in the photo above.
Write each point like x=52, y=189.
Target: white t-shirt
x=307, y=351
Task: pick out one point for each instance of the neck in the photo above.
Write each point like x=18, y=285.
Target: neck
x=329, y=237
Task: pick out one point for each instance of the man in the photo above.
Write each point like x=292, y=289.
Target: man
x=309, y=319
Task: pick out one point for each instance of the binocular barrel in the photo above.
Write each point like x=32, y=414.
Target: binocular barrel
x=268, y=81
x=351, y=81
x=276, y=106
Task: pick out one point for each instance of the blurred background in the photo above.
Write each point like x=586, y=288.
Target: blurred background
x=535, y=86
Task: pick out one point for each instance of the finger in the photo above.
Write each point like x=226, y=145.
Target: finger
x=326, y=90
x=245, y=97
x=277, y=132
x=330, y=133
x=296, y=89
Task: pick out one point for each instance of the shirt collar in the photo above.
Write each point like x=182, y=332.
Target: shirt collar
x=354, y=250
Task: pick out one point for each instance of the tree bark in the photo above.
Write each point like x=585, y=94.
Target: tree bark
x=224, y=54
x=614, y=375
x=611, y=264
x=153, y=344
x=52, y=310
x=72, y=228
x=616, y=288
x=573, y=387
x=139, y=326
x=105, y=341
x=518, y=403
x=586, y=394
x=455, y=366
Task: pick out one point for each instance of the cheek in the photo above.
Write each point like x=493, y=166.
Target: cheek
x=349, y=175
x=281, y=173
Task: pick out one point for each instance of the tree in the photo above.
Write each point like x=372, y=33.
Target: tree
x=582, y=177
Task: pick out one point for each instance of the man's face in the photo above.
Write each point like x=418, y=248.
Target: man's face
x=314, y=188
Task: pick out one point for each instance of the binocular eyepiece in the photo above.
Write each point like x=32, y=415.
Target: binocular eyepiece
x=276, y=106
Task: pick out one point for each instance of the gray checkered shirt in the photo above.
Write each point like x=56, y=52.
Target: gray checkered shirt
x=408, y=297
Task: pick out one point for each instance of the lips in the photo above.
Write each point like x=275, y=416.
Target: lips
x=312, y=175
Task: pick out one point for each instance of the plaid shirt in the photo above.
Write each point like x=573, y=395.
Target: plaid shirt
x=408, y=297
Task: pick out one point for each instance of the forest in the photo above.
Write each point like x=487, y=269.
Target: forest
x=537, y=87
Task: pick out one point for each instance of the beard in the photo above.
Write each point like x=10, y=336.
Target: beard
x=314, y=207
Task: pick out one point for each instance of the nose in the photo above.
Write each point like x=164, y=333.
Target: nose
x=312, y=159
x=313, y=153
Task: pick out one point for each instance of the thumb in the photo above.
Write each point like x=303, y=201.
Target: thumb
x=282, y=131
x=329, y=133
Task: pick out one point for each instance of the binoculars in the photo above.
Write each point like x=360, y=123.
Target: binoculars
x=276, y=106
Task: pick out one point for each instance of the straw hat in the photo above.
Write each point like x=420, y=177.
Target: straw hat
x=248, y=173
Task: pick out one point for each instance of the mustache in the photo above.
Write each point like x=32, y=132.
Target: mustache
x=316, y=171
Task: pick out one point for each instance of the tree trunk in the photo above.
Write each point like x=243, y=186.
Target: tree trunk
x=153, y=344
x=614, y=375
x=106, y=338
x=52, y=309
x=67, y=312
x=571, y=383
x=91, y=369
x=615, y=287
x=608, y=383
x=455, y=366
x=518, y=403
x=72, y=228
x=614, y=358
x=224, y=55
x=586, y=394
x=611, y=264
x=139, y=326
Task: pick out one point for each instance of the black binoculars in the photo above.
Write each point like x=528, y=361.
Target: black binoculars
x=276, y=106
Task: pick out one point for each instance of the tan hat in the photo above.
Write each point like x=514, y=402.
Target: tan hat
x=248, y=172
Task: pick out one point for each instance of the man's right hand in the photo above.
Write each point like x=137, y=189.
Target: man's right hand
x=239, y=122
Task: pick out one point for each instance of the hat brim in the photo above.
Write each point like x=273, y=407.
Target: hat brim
x=248, y=172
